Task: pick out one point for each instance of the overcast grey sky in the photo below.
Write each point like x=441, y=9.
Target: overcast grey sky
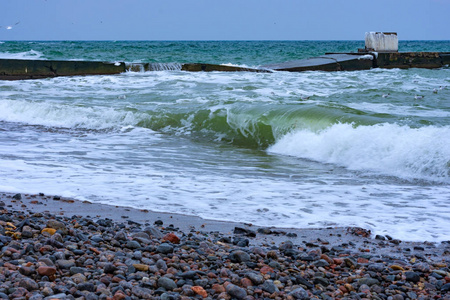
x=222, y=19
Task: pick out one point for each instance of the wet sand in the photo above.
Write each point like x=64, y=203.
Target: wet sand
x=357, y=240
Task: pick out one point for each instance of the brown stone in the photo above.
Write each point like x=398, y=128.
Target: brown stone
x=116, y=279
x=396, y=268
x=10, y=266
x=200, y=291
x=362, y=260
x=141, y=267
x=50, y=231
x=245, y=282
x=327, y=259
x=218, y=288
x=266, y=269
x=46, y=271
x=119, y=295
x=171, y=237
x=349, y=287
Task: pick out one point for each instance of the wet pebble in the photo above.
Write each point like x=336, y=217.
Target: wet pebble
x=57, y=257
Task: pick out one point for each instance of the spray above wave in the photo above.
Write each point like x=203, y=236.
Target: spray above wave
x=386, y=149
x=32, y=54
x=143, y=67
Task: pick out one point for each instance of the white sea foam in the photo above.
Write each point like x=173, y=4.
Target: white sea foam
x=146, y=171
x=307, y=179
x=32, y=54
x=388, y=149
x=240, y=66
x=366, y=57
x=402, y=110
x=65, y=116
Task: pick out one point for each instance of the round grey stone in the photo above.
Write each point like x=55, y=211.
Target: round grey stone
x=28, y=284
x=239, y=256
x=269, y=287
x=235, y=291
x=65, y=264
x=255, y=278
x=164, y=248
x=412, y=276
x=167, y=283
x=133, y=245
x=299, y=293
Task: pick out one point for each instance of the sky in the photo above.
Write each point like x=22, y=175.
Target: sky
x=222, y=19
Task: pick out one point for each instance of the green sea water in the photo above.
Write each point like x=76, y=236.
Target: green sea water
x=281, y=149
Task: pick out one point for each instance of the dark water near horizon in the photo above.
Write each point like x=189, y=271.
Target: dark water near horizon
x=308, y=149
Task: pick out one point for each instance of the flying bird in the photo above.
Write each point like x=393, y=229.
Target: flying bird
x=9, y=27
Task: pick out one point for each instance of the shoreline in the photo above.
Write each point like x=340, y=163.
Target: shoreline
x=60, y=248
x=352, y=237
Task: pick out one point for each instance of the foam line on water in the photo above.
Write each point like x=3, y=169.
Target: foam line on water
x=32, y=54
x=66, y=116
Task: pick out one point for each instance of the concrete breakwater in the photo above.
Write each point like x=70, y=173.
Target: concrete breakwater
x=365, y=61
x=17, y=69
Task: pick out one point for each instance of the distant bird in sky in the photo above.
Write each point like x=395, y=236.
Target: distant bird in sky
x=418, y=97
x=385, y=95
x=9, y=27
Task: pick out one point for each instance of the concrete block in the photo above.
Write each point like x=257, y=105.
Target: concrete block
x=381, y=41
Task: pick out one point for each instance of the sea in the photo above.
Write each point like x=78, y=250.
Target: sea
x=291, y=150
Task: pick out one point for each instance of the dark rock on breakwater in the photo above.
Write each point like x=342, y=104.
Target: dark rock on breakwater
x=48, y=255
x=17, y=69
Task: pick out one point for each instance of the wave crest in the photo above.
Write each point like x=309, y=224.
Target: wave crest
x=388, y=149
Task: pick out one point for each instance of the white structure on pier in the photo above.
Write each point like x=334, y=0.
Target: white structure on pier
x=382, y=41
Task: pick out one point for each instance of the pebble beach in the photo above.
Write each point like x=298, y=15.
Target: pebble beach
x=56, y=248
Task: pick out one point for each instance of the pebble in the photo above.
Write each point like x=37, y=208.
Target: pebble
x=235, y=291
x=59, y=257
x=239, y=256
x=167, y=283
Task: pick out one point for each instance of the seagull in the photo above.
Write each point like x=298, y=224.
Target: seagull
x=418, y=97
x=435, y=91
x=385, y=95
x=9, y=27
x=304, y=98
x=442, y=87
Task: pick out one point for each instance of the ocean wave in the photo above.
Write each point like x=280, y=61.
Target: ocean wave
x=387, y=149
x=32, y=54
x=65, y=116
